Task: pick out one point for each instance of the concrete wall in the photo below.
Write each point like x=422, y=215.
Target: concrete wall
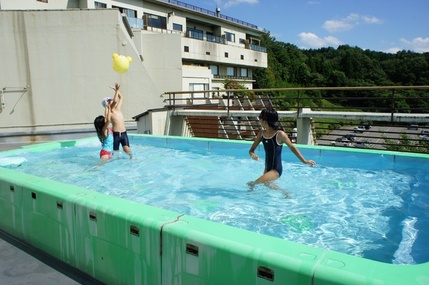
x=65, y=4
x=162, y=56
x=33, y=4
x=195, y=75
x=154, y=123
x=64, y=60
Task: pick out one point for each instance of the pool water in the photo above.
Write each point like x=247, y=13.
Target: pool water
x=349, y=206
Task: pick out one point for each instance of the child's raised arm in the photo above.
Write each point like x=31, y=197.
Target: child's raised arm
x=107, y=115
x=117, y=97
x=119, y=102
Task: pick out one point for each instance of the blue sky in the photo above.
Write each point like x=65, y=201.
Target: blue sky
x=378, y=25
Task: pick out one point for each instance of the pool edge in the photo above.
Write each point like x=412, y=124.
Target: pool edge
x=165, y=247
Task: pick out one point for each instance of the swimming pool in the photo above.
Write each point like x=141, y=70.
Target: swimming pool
x=387, y=208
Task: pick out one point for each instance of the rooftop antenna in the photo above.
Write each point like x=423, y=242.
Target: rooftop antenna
x=217, y=11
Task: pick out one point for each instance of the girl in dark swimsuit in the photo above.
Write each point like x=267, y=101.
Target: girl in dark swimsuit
x=273, y=140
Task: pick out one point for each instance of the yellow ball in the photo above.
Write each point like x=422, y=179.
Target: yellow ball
x=121, y=63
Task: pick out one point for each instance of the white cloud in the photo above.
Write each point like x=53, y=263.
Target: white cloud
x=349, y=22
x=393, y=50
x=418, y=44
x=371, y=20
x=333, y=26
x=315, y=41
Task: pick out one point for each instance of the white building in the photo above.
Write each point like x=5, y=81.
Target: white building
x=57, y=58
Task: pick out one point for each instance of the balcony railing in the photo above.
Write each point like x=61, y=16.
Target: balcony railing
x=232, y=77
x=211, y=13
x=136, y=23
x=257, y=48
x=379, y=119
x=216, y=39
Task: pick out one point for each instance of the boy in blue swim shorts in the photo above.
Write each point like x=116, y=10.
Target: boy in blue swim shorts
x=120, y=136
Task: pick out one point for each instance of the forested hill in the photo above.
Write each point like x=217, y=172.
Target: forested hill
x=289, y=66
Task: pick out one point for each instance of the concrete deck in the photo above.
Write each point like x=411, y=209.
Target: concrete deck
x=21, y=264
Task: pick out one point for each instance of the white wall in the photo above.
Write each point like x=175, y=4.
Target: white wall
x=162, y=56
x=33, y=4
x=196, y=75
x=65, y=59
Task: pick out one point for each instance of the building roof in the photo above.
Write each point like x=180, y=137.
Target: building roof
x=207, y=13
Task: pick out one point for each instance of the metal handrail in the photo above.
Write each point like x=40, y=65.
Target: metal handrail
x=211, y=13
x=326, y=120
x=175, y=98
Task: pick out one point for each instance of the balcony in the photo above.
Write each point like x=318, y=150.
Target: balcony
x=257, y=48
x=205, y=37
x=137, y=23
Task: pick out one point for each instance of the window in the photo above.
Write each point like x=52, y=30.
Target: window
x=242, y=57
x=254, y=41
x=214, y=69
x=44, y=1
x=243, y=72
x=226, y=54
x=99, y=5
x=177, y=27
x=186, y=49
x=230, y=37
x=230, y=71
x=195, y=33
x=199, y=87
x=210, y=37
x=130, y=13
x=156, y=21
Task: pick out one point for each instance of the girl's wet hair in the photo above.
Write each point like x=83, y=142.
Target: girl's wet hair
x=99, y=124
x=271, y=117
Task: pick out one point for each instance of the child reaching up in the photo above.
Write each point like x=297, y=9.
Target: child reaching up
x=120, y=135
x=273, y=140
x=104, y=133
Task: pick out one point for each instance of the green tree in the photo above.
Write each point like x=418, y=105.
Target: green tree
x=289, y=66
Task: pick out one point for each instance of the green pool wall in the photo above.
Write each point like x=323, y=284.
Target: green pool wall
x=121, y=242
